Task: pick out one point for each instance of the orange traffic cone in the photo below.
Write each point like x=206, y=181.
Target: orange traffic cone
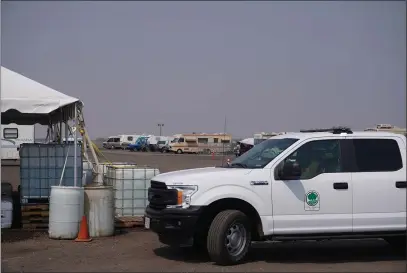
x=83, y=235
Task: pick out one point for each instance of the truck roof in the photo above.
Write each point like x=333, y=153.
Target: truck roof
x=306, y=135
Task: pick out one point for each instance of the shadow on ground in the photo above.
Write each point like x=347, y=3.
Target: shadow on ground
x=336, y=251
x=15, y=235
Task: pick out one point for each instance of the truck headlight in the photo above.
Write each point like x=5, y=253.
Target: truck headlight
x=184, y=195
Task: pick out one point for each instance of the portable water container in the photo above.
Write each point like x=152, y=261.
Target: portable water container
x=130, y=184
x=99, y=210
x=6, y=211
x=41, y=167
x=66, y=209
x=102, y=170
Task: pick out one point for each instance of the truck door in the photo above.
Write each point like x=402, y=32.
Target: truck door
x=379, y=184
x=318, y=201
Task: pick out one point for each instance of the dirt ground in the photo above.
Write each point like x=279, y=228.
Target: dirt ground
x=139, y=250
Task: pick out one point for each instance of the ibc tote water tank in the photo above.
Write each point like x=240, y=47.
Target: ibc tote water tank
x=102, y=169
x=99, y=210
x=65, y=211
x=6, y=211
x=130, y=185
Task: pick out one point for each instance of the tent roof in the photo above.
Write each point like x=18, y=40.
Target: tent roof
x=25, y=101
x=248, y=141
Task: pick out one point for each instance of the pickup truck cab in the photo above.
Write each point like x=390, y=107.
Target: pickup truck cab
x=311, y=185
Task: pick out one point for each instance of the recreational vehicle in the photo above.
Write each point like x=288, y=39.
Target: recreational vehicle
x=388, y=128
x=119, y=141
x=200, y=143
x=12, y=137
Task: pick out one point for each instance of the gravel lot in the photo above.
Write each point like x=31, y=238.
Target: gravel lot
x=139, y=250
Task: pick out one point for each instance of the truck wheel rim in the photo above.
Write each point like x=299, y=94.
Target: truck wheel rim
x=235, y=240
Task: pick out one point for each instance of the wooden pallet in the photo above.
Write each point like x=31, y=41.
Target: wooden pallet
x=36, y=207
x=129, y=221
x=34, y=213
x=35, y=226
x=35, y=220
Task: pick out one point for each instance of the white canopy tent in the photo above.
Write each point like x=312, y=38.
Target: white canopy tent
x=26, y=102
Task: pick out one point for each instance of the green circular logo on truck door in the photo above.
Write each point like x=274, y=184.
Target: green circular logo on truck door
x=312, y=198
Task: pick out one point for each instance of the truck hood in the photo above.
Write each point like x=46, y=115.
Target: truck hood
x=194, y=176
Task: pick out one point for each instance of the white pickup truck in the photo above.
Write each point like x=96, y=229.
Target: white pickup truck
x=311, y=185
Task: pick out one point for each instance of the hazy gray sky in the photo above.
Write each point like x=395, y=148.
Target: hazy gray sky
x=267, y=66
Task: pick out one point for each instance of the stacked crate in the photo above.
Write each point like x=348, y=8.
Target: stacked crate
x=41, y=167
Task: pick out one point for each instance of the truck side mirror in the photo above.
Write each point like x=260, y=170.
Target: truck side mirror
x=291, y=170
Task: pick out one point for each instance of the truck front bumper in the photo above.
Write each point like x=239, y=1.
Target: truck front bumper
x=174, y=227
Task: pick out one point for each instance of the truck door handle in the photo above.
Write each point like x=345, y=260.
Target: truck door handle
x=401, y=184
x=341, y=186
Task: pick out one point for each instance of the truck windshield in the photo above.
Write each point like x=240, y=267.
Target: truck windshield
x=262, y=154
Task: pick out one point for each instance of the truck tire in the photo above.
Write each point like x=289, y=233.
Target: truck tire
x=229, y=237
x=179, y=151
x=397, y=242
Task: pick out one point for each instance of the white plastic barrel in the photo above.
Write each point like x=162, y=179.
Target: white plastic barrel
x=99, y=210
x=65, y=211
x=6, y=211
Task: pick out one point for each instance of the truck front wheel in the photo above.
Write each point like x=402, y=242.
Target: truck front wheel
x=229, y=237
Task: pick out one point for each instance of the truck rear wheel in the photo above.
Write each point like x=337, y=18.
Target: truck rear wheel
x=229, y=237
x=179, y=151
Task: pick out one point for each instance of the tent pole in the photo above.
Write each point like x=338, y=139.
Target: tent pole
x=75, y=169
x=66, y=131
x=60, y=129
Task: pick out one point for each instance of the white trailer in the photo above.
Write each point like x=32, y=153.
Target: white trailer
x=12, y=136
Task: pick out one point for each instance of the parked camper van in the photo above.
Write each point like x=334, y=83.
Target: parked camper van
x=119, y=141
x=201, y=143
x=12, y=137
x=113, y=142
x=164, y=144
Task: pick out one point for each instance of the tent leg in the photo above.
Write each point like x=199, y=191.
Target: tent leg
x=75, y=169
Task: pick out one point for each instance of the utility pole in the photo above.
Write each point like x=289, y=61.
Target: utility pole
x=160, y=125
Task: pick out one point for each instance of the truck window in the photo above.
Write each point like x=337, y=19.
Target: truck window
x=261, y=155
x=10, y=133
x=129, y=138
x=377, y=155
x=181, y=140
x=317, y=157
x=116, y=140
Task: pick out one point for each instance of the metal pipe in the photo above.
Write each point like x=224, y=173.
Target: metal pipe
x=75, y=169
x=66, y=131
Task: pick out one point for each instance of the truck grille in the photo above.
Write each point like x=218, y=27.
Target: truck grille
x=159, y=196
